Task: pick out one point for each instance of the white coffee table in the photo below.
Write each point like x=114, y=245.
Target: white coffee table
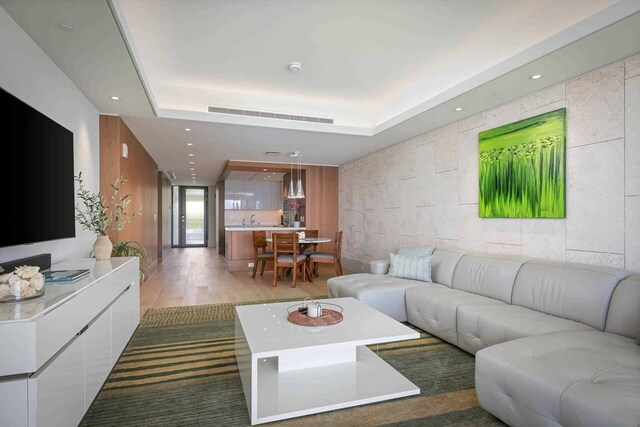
x=290, y=371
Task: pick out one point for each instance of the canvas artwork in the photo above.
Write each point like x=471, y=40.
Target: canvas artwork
x=522, y=168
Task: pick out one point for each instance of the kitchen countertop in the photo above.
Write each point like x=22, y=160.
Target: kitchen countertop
x=262, y=228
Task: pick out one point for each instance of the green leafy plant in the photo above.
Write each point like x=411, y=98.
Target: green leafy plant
x=123, y=248
x=100, y=216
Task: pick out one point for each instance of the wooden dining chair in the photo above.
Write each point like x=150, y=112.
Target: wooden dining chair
x=285, y=255
x=329, y=257
x=260, y=253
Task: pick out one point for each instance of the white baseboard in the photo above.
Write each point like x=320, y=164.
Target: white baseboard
x=355, y=265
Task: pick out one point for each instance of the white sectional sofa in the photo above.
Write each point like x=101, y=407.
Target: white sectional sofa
x=555, y=343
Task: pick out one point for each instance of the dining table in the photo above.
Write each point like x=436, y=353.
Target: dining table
x=303, y=244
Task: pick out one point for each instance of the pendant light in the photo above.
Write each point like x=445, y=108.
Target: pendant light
x=300, y=190
x=292, y=192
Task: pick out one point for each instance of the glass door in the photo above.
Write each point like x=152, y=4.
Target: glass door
x=191, y=222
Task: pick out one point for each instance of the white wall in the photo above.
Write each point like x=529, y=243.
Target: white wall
x=28, y=73
x=425, y=191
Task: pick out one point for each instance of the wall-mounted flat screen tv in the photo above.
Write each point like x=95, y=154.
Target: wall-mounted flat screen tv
x=37, y=166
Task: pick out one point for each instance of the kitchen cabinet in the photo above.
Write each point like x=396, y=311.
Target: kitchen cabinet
x=125, y=317
x=74, y=335
x=56, y=394
x=97, y=355
x=276, y=195
x=230, y=194
x=253, y=195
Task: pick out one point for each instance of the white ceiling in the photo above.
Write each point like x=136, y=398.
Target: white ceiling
x=363, y=62
x=339, y=73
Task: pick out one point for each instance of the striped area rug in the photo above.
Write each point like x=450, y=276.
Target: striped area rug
x=180, y=370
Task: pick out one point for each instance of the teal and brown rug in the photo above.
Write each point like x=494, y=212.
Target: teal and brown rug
x=179, y=370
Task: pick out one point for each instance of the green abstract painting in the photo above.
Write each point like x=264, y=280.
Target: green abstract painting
x=522, y=168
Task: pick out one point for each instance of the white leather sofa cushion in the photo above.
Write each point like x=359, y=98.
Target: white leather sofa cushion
x=480, y=326
x=577, y=292
x=564, y=378
x=382, y=292
x=434, y=308
x=624, y=310
x=487, y=275
x=443, y=265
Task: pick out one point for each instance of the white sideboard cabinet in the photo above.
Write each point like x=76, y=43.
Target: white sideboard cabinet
x=56, y=351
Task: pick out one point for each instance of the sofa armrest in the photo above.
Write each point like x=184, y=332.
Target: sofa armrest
x=379, y=267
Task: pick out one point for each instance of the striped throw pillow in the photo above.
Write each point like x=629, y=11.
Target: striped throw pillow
x=410, y=267
x=426, y=251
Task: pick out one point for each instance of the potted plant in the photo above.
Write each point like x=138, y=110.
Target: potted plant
x=132, y=248
x=295, y=207
x=101, y=217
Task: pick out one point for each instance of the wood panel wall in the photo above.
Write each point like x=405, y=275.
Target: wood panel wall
x=321, y=201
x=141, y=173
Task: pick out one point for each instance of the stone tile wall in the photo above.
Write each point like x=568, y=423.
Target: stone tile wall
x=425, y=191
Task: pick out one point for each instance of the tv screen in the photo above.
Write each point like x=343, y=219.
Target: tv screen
x=38, y=199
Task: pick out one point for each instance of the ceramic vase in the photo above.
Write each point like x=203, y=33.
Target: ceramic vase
x=102, y=268
x=296, y=224
x=102, y=248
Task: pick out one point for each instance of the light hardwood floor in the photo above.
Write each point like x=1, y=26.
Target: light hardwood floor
x=195, y=276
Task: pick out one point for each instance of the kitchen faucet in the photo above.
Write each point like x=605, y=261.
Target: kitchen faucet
x=253, y=219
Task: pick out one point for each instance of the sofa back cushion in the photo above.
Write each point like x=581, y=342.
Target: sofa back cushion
x=418, y=251
x=443, y=265
x=624, y=311
x=487, y=275
x=577, y=292
x=410, y=267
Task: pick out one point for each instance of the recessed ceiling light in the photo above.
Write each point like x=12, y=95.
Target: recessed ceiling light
x=457, y=109
x=115, y=98
x=535, y=76
x=189, y=144
x=193, y=169
x=265, y=170
x=190, y=154
x=295, y=66
x=65, y=27
x=192, y=163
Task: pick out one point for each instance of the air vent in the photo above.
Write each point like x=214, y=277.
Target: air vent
x=170, y=174
x=272, y=153
x=269, y=115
